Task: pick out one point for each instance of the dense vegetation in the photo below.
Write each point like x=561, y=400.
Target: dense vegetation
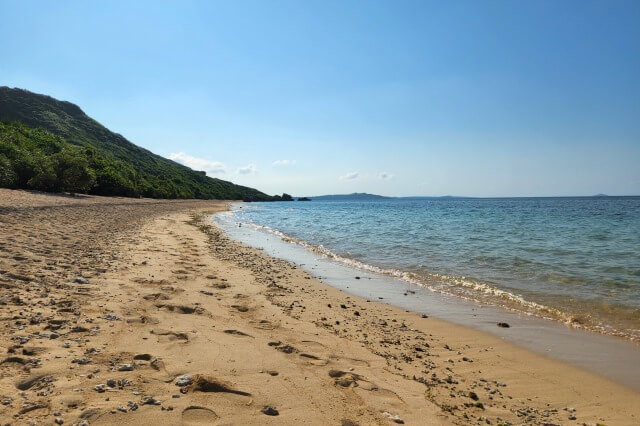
x=52, y=145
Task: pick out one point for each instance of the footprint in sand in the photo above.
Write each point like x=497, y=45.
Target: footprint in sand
x=196, y=415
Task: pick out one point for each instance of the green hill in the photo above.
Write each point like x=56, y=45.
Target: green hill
x=51, y=145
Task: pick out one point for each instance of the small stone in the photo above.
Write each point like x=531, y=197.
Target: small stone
x=149, y=400
x=81, y=280
x=269, y=411
x=99, y=388
x=122, y=408
x=184, y=380
x=394, y=418
x=132, y=405
x=125, y=367
x=503, y=325
x=111, y=383
x=81, y=361
x=58, y=421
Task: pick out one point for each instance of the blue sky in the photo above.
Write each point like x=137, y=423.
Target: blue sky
x=490, y=98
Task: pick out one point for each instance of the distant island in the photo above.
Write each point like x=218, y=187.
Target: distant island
x=363, y=196
x=342, y=197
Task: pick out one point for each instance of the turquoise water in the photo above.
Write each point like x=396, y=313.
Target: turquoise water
x=575, y=260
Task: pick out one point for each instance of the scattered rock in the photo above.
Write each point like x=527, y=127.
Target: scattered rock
x=394, y=418
x=149, y=400
x=269, y=411
x=81, y=280
x=184, y=380
x=125, y=367
x=142, y=357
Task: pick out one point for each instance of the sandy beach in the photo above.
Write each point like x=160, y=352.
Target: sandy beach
x=126, y=311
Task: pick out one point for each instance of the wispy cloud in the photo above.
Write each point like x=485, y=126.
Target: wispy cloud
x=284, y=162
x=349, y=176
x=200, y=164
x=385, y=175
x=246, y=170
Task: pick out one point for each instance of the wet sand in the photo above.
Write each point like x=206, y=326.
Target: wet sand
x=120, y=311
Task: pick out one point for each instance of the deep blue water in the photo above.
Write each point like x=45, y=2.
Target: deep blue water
x=573, y=259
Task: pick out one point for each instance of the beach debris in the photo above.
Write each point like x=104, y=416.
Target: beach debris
x=269, y=411
x=210, y=384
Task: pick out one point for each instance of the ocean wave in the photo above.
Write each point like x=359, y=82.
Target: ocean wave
x=458, y=286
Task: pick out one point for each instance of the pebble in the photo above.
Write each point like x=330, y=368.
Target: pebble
x=394, y=418
x=149, y=400
x=81, y=280
x=81, y=361
x=125, y=367
x=269, y=411
x=99, y=388
x=184, y=380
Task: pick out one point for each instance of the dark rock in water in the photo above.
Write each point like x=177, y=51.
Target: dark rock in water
x=503, y=325
x=425, y=316
x=357, y=278
x=269, y=411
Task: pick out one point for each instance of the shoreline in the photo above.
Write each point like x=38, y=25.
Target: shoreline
x=168, y=296
x=597, y=352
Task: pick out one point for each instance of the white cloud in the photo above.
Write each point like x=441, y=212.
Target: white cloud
x=284, y=162
x=200, y=164
x=385, y=175
x=349, y=176
x=249, y=169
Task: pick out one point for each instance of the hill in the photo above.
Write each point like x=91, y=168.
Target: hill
x=354, y=196
x=52, y=145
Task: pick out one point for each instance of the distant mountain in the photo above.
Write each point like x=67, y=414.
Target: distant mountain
x=52, y=145
x=354, y=196
x=443, y=197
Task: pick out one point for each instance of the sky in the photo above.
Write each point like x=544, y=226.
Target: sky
x=470, y=98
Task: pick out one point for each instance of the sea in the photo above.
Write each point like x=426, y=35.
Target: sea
x=574, y=260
